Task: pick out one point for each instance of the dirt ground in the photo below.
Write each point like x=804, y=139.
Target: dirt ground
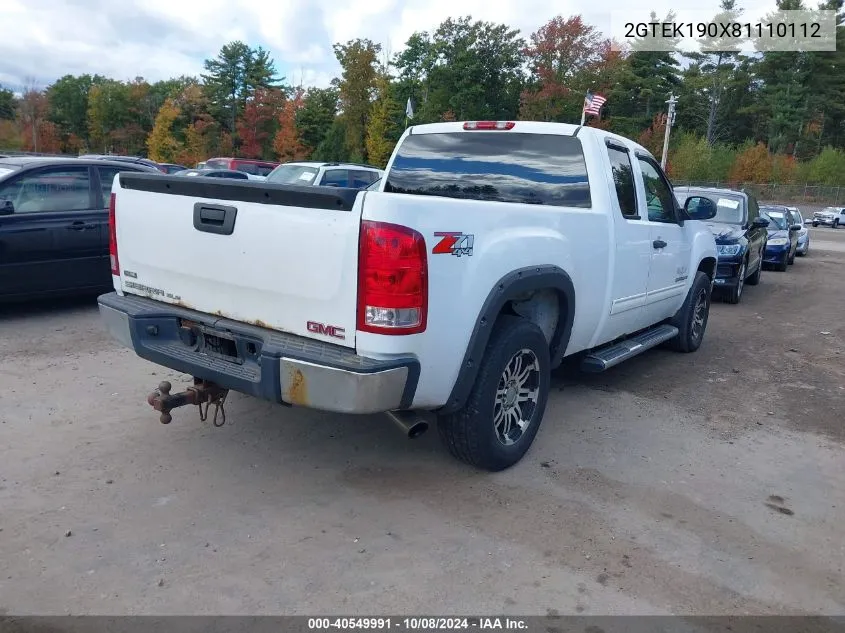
x=710, y=483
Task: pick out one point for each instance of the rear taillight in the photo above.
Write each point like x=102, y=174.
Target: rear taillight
x=115, y=264
x=489, y=125
x=392, y=279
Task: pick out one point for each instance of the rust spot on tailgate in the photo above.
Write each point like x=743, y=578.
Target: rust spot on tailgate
x=297, y=388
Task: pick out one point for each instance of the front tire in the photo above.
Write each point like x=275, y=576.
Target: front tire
x=501, y=417
x=735, y=293
x=691, y=319
x=781, y=266
x=815, y=224
x=754, y=279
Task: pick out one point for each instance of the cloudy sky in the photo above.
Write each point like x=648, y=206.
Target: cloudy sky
x=41, y=40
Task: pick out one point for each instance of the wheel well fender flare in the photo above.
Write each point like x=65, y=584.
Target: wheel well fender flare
x=507, y=289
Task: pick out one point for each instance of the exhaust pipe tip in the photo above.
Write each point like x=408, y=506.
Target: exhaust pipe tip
x=417, y=429
x=410, y=422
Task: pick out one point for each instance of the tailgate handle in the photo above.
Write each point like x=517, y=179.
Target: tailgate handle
x=214, y=218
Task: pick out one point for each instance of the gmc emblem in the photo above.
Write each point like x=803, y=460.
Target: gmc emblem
x=326, y=330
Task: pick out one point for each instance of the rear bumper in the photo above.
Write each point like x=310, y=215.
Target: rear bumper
x=271, y=365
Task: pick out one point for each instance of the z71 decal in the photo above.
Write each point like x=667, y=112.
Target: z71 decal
x=453, y=243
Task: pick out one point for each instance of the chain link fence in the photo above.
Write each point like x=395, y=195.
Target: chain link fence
x=815, y=195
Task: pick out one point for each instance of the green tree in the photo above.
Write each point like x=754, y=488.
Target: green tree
x=69, y=100
x=712, y=72
x=7, y=104
x=416, y=65
x=642, y=89
x=383, y=131
x=784, y=96
x=356, y=87
x=333, y=147
x=315, y=117
x=826, y=91
x=233, y=76
x=108, y=112
x=828, y=168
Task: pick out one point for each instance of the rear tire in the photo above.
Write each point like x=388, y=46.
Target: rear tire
x=691, y=319
x=501, y=417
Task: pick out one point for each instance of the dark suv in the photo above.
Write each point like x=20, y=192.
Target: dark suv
x=740, y=234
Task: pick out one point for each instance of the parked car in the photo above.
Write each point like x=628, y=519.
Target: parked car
x=214, y=173
x=803, y=235
x=493, y=251
x=246, y=165
x=740, y=235
x=349, y=175
x=54, y=225
x=783, y=231
x=829, y=216
x=171, y=168
x=135, y=160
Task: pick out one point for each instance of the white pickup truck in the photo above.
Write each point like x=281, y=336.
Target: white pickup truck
x=489, y=252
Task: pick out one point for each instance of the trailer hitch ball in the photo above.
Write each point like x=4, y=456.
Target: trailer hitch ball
x=158, y=397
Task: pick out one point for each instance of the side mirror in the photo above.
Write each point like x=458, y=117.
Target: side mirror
x=700, y=208
x=759, y=223
x=795, y=227
x=7, y=207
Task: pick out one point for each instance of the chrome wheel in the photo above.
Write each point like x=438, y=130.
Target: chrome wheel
x=699, y=315
x=516, y=396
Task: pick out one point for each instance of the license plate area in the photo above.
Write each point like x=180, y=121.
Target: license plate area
x=216, y=343
x=219, y=345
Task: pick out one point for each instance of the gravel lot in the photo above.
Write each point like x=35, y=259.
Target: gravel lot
x=710, y=483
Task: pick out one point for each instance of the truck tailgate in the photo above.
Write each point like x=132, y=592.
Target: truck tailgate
x=280, y=257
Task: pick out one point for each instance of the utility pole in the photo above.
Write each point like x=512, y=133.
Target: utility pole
x=670, y=119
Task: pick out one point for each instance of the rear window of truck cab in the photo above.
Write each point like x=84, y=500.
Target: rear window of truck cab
x=498, y=166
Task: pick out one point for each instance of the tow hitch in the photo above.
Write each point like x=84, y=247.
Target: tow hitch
x=203, y=394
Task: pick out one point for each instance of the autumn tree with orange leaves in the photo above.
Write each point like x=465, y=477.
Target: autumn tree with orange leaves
x=287, y=144
x=259, y=122
x=564, y=56
x=38, y=134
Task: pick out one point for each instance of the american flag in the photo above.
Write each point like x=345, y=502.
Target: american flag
x=593, y=103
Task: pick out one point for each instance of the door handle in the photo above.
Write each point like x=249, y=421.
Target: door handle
x=214, y=218
x=658, y=244
x=79, y=225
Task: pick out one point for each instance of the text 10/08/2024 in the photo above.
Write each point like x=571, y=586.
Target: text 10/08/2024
x=421, y=624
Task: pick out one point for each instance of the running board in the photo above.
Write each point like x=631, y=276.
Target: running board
x=607, y=357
